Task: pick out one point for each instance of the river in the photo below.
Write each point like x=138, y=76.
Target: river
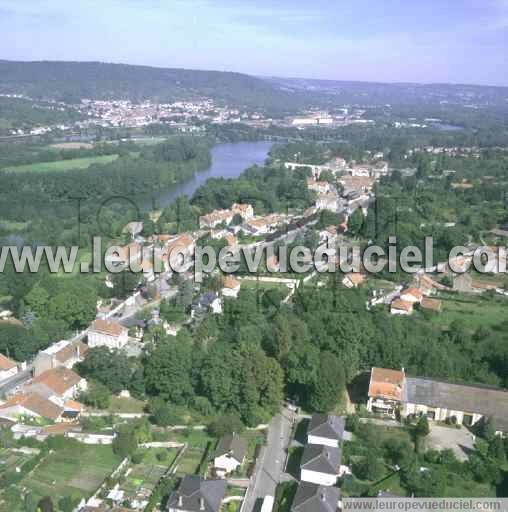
x=228, y=161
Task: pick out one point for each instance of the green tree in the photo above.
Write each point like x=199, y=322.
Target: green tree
x=125, y=443
x=355, y=222
x=328, y=384
x=97, y=396
x=226, y=424
x=422, y=428
x=37, y=300
x=67, y=504
x=168, y=369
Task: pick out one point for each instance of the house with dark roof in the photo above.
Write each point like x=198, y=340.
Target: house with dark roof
x=229, y=454
x=468, y=404
x=195, y=494
x=325, y=430
x=315, y=498
x=320, y=464
x=392, y=390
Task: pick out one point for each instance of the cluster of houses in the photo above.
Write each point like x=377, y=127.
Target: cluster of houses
x=49, y=391
x=392, y=393
x=49, y=394
x=320, y=469
x=355, y=181
x=405, y=301
x=321, y=465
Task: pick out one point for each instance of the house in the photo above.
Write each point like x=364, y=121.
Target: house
x=205, y=302
x=435, y=305
x=320, y=464
x=195, y=494
x=231, y=240
x=401, y=307
x=8, y=368
x=264, y=225
x=392, y=390
x=467, y=404
x=412, y=295
x=429, y=286
x=212, y=219
x=315, y=498
x=63, y=353
x=328, y=201
x=353, y=280
x=325, y=430
x=124, y=255
x=133, y=228
x=231, y=287
x=272, y=263
x=385, y=390
x=244, y=210
x=321, y=187
x=359, y=184
x=183, y=244
x=328, y=235
x=229, y=455
x=30, y=404
x=106, y=333
x=379, y=169
x=59, y=382
x=361, y=170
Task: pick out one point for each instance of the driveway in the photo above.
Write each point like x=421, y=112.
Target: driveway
x=271, y=462
x=460, y=440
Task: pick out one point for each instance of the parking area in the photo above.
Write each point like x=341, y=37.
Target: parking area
x=460, y=440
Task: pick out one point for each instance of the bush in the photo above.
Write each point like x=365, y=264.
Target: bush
x=226, y=424
x=137, y=458
x=162, y=413
x=125, y=444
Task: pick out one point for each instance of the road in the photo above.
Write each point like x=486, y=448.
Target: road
x=18, y=379
x=271, y=463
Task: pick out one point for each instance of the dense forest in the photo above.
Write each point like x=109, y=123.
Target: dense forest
x=47, y=201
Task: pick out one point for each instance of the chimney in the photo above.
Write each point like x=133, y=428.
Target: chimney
x=323, y=497
x=180, y=501
x=201, y=503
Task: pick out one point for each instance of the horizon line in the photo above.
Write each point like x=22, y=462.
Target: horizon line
x=259, y=77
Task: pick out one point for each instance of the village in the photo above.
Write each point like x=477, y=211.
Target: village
x=41, y=397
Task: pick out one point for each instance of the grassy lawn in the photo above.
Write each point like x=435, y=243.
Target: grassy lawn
x=474, y=312
x=126, y=405
x=64, y=165
x=284, y=495
x=4, y=299
x=143, y=477
x=11, y=226
x=75, y=470
x=190, y=461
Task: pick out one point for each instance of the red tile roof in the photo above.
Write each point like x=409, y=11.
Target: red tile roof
x=386, y=383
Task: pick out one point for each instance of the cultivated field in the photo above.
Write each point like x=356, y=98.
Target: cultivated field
x=64, y=165
x=76, y=470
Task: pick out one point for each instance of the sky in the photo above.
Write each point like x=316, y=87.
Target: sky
x=446, y=41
